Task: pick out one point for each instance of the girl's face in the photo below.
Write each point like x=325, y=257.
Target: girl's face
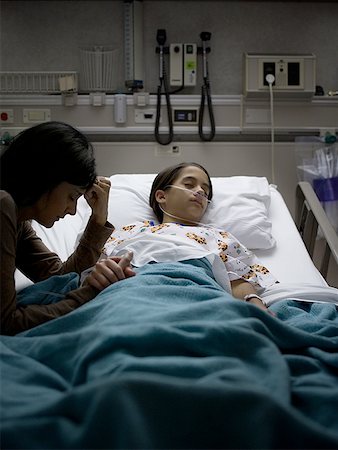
x=57, y=203
x=182, y=199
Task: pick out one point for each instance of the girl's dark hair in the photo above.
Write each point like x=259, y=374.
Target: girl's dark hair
x=43, y=156
x=168, y=176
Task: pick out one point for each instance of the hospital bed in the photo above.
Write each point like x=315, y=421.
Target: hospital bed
x=163, y=360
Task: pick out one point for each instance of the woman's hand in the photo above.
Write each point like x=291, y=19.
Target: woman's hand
x=97, y=198
x=109, y=271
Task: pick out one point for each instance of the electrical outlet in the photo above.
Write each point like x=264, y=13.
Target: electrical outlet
x=36, y=115
x=185, y=116
x=145, y=115
x=168, y=150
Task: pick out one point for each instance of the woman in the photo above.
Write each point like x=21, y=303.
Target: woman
x=179, y=198
x=44, y=171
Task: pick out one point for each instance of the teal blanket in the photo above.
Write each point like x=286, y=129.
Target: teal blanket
x=168, y=360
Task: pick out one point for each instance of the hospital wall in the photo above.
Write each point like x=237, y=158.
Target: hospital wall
x=47, y=36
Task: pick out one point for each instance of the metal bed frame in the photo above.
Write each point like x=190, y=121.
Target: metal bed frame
x=309, y=216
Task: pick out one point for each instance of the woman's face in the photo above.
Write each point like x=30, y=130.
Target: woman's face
x=57, y=203
x=182, y=200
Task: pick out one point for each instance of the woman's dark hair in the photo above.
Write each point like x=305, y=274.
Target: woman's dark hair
x=168, y=176
x=43, y=156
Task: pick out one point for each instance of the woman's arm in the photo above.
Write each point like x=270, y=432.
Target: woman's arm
x=39, y=263
x=97, y=231
x=13, y=317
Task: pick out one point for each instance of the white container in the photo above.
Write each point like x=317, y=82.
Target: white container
x=120, y=108
x=99, y=69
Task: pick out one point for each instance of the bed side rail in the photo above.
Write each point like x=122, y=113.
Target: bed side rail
x=309, y=215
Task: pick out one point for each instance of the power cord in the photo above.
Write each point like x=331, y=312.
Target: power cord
x=205, y=94
x=270, y=80
x=160, y=138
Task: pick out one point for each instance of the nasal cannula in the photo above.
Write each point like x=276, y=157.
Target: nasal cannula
x=196, y=194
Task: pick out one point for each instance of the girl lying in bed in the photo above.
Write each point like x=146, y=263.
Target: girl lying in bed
x=179, y=197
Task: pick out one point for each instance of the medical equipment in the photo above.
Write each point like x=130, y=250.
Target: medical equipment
x=176, y=65
x=183, y=65
x=160, y=138
x=120, y=108
x=294, y=74
x=99, y=69
x=317, y=164
x=189, y=64
x=133, y=44
x=205, y=92
x=203, y=196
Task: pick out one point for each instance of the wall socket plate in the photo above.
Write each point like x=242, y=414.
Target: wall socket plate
x=36, y=115
x=168, y=150
x=145, y=115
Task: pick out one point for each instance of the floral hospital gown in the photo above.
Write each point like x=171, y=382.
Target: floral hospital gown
x=166, y=242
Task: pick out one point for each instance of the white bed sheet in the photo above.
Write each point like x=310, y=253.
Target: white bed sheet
x=289, y=260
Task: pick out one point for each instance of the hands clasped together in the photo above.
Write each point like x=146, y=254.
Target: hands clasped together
x=110, y=270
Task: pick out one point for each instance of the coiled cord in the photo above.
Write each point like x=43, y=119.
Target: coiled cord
x=161, y=138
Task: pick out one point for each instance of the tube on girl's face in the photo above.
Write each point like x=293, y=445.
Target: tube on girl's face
x=197, y=194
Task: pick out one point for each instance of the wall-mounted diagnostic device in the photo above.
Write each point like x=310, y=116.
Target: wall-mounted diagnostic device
x=294, y=75
x=189, y=64
x=176, y=65
x=133, y=44
x=183, y=64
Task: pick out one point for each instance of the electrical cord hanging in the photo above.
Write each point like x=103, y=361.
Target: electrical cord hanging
x=161, y=138
x=270, y=79
x=205, y=94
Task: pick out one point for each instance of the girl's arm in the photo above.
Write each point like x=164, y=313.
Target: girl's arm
x=242, y=289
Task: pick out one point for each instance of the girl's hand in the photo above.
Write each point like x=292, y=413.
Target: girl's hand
x=109, y=271
x=97, y=198
x=260, y=304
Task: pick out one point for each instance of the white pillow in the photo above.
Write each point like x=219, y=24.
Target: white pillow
x=240, y=205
